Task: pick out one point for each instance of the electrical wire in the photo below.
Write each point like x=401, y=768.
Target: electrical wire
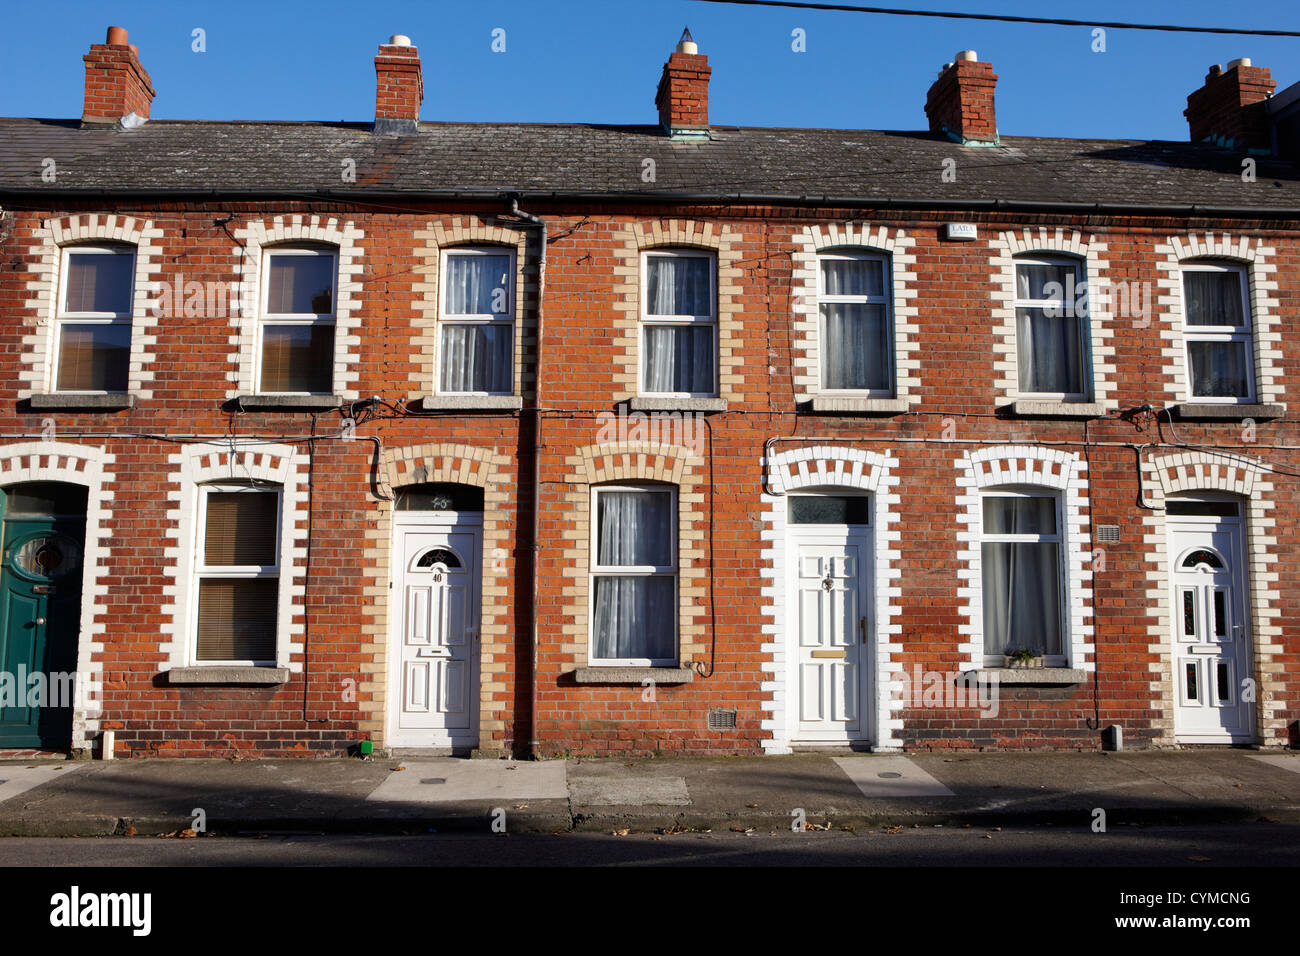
x=1007, y=18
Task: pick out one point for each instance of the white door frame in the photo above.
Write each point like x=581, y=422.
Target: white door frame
x=1176, y=526
x=868, y=678
x=434, y=521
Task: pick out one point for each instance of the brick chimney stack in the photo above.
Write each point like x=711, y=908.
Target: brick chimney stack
x=1230, y=108
x=118, y=90
x=683, y=95
x=399, y=88
x=960, y=103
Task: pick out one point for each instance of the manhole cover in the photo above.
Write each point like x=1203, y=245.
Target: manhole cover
x=434, y=780
x=889, y=775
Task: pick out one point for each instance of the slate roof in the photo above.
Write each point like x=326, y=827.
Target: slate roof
x=480, y=159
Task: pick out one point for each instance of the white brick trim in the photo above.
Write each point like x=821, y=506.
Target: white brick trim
x=898, y=246
x=87, y=466
x=37, y=373
x=194, y=465
x=1249, y=479
x=442, y=236
x=246, y=297
x=1264, y=307
x=843, y=467
x=1006, y=246
x=631, y=242
x=1027, y=466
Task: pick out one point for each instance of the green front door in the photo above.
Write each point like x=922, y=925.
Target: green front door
x=42, y=535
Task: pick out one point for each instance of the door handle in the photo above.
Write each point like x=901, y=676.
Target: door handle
x=40, y=621
x=862, y=628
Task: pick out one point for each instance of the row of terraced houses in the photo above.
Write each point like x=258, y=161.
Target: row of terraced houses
x=544, y=439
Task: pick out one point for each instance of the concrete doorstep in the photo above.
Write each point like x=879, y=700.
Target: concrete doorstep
x=173, y=797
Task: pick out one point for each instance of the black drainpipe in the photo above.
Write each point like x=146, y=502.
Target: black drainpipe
x=537, y=468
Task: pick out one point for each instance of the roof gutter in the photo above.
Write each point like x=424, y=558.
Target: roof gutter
x=497, y=195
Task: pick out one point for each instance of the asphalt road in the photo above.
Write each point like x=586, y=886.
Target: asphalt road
x=1246, y=845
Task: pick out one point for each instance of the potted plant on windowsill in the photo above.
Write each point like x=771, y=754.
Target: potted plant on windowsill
x=1023, y=658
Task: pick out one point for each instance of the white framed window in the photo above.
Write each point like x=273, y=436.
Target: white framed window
x=633, y=576
x=93, y=325
x=476, y=338
x=237, y=574
x=1052, y=328
x=1022, y=567
x=1217, y=332
x=679, y=323
x=296, y=333
x=857, y=336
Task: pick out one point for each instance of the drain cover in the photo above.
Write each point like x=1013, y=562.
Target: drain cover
x=434, y=780
x=889, y=775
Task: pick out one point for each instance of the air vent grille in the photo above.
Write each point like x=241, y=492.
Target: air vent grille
x=1108, y=532
x=720, y=719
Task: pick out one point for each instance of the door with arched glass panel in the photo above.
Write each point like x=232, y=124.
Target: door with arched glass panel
x=43, y=529
x=433, y=676
x=1211, y=641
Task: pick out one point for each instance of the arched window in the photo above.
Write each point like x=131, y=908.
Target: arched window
x=299, y=299
x=1218, y=332
x=679, y=323
x=1021, y=565
x=1052, y=328
x=477, y=318
x=855, y=325
x=93, y=327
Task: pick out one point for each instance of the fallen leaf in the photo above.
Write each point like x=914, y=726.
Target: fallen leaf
x=130, y=831
x=396, y=769
x=752, y=806
x=521, y=806
x=187, y=834
x=622, y=832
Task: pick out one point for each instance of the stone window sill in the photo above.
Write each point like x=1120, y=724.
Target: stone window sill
x=467, y=403
x=74, y=402
x=288, y=403
x=1225, y=411
x=228, y=674
x=1047, y=409
x=1030, y=676
x=633, y=675
x=666, y=403
x=836, y=405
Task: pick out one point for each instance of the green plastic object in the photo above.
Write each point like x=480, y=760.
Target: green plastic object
x=367, y=748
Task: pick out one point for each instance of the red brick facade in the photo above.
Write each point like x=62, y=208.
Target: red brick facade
x=1125, y=457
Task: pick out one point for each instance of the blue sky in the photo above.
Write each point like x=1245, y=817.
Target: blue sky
x=599, y=62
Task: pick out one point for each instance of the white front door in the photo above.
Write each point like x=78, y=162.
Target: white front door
x=433, y=669
x=830, y=627
x=1211, y=643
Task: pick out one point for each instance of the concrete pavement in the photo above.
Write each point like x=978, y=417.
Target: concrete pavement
x=162, y=796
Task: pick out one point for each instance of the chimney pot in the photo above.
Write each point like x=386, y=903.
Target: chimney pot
x=683, y=95
x=118, y=89
x=399, y=86
x=960, y=102
x=1229, y=109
